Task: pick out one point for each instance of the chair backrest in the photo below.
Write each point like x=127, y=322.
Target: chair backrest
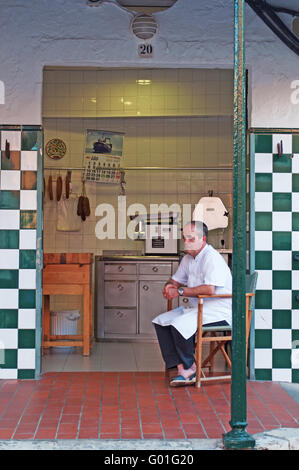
x=251, y=280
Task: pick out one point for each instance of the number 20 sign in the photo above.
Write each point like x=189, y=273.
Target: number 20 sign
x=145, y=50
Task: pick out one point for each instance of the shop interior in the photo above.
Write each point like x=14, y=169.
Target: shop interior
x=177, y=147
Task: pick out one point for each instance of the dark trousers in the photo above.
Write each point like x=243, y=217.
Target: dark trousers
x=175, y=349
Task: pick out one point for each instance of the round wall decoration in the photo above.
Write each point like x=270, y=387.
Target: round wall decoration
x=55, y=149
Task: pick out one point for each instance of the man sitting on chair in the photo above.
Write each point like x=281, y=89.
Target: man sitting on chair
x=204, y=271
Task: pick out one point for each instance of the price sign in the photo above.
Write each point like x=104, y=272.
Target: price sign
x=145, y=50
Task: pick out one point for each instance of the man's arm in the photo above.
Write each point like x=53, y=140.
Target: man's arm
x=195, y=291
x=171, y=290
x=172, y=282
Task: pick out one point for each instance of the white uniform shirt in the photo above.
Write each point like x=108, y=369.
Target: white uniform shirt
x=207, y=268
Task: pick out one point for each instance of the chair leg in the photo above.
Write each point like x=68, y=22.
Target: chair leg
x=212, y=347
x=211, y=366
x=198, y=352
x=198, y=356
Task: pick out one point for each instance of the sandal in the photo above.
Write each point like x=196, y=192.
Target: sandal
x=180, y=381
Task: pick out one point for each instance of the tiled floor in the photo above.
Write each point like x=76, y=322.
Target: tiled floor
x=121, y=392
x=132, y=405
x=106, y=356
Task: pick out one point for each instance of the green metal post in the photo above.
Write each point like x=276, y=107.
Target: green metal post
x=238, y=437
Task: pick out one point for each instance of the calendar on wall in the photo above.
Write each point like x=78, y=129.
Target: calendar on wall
x=103, y=156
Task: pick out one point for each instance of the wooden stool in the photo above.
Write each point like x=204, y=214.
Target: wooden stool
x=68, y=274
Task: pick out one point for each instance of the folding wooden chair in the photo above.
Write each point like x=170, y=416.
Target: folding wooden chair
x=219, y=336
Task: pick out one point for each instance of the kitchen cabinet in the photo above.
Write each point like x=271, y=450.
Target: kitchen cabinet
x=129, y=295
x=151, y=303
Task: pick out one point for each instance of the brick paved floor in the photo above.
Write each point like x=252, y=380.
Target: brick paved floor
x=132, y=405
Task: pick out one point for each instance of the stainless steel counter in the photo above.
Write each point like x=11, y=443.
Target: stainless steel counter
x=137, y=258
x=149, y=258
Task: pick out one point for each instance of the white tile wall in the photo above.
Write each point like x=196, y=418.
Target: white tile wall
x=102, y=93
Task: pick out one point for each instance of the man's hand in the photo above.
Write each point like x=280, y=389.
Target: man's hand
x=170, y=291
x=166, y=287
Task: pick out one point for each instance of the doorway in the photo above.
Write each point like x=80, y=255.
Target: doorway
x=169, y=118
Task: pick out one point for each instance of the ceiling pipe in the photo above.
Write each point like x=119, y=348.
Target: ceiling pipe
x=285, y=10
x=267, y=13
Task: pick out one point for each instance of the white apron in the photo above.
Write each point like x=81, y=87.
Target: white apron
x=182, y=319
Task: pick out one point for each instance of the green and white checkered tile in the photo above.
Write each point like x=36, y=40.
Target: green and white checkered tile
x=277, y=258
x=18, y=210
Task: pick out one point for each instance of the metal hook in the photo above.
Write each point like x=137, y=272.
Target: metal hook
x=7, y=149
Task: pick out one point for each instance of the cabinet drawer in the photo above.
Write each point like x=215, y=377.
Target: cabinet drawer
x=120, y=321
x=120, y=268
x=155, y=268
x=120, y=293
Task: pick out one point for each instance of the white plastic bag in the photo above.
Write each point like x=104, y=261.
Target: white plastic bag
x=67, y=218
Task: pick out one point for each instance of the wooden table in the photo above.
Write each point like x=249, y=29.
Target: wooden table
x=68, y=274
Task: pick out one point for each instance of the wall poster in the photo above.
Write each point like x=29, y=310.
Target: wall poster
x=103, y=156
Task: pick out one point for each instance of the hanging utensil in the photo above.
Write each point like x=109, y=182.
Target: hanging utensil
x=122, y=183
x=80, y=208
x=7, y=149
x=67, y=187
x=83, y=204
x=50, y=188
x=58, y=188
x=280, y=149
x=86, y=206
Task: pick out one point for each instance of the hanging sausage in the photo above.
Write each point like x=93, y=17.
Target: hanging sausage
x=50, y=188
x=83, y=208
x=67, y=187
x=58, y=188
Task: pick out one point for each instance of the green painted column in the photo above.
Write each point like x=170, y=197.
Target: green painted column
x=238, y=437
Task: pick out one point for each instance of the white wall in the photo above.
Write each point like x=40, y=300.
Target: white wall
x=192, y=33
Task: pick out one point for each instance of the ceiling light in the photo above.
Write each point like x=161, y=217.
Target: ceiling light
x=144, y=26
x=143, y=82
x=128, y=103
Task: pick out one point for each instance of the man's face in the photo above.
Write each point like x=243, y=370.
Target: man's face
x=193, y=243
